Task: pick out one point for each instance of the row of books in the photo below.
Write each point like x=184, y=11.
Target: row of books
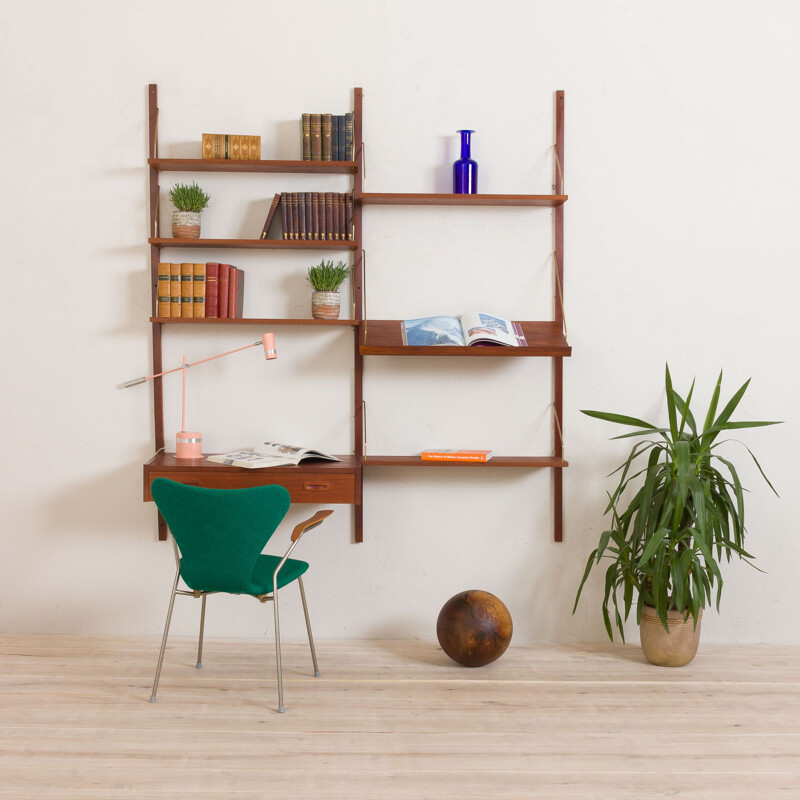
x=313, y=216
x=231, y=147
x=201, y=291
x=328, y=137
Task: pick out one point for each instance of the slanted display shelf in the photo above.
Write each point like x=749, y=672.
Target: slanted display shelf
x=406, y=199
x=529, y=462
x=322, y=323
x=384, y=337
x=227, y=165
x=254, y=244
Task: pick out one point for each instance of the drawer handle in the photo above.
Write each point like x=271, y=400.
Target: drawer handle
x=316, y=487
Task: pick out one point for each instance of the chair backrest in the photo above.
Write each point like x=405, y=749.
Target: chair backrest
x=220, y=532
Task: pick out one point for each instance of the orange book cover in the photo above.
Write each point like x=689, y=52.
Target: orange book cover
x=199, y=291
x=163, y=308
x=174, y=290
x=481, y=456
x=187, y=292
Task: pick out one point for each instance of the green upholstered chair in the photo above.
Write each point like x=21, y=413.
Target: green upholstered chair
x=218, y=536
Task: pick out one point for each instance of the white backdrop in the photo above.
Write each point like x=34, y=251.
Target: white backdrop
x=681, y=246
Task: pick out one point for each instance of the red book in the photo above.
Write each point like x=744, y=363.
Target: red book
x=224, y=285
x=270, y=216
x=329, y=215
x=212, y=290
x=284, y=204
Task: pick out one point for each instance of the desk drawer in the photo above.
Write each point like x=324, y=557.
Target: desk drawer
x=304, y=487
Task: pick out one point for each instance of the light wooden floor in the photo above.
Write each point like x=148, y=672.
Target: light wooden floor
x=394, y=720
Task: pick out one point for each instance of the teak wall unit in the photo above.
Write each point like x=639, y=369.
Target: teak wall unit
x=342, y=482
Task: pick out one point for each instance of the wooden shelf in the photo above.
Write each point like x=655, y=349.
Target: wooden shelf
x=254, y=244
x=226, y=165
x=549, y=200
x=321, y=323
x=385, y=338
x=530, y=462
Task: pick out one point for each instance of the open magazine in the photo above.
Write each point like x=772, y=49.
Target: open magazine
x=270, y=454
x=471, y=328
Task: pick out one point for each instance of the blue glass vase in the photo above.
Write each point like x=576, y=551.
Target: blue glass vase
x=465, y=170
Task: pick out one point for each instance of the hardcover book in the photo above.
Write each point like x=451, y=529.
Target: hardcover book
x=174, y=290
x=469, y=330
x=327, y=136
x=199, y=291
x=316, y=137
x=480, y=456
x=285, y=215
x=212, y=290
x=305, y=127
x=187, y=292
x=273, y=209
x=349, y=154
x=162, y=294
x=223, y=284
x=270, y=454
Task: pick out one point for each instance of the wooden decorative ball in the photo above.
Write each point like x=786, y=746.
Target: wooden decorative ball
x=474, y=628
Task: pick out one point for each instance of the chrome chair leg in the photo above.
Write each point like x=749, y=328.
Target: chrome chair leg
x=308, y=627
x=281, y=709
x=202, y=626
x=164, y=638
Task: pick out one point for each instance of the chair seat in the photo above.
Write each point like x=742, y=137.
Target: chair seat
x=265, y=567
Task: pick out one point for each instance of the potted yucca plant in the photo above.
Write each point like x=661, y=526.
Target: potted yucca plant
x=189, y=200
x=325, y=278
x=667, y=541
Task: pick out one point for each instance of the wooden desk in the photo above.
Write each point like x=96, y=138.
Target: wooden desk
x=310, y=482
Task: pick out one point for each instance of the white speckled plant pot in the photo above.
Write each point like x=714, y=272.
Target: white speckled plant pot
x=325, y=305
x=186, y=224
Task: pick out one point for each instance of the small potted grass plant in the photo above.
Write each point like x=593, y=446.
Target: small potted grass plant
x=189, y=200
x=325, y=278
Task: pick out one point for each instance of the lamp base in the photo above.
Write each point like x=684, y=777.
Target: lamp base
x=189, y=444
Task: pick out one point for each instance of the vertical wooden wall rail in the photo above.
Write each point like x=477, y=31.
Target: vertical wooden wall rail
x=558, y=300
x=155, y=255
x=358, y=371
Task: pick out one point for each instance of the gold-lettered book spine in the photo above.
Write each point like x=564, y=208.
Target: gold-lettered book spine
x=187, y=300
x=199, y=291
x=174, y=290
x=162, y=291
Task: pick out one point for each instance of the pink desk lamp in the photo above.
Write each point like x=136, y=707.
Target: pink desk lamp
x=189, y=444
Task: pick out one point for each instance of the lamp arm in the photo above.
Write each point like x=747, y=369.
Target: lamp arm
x=137, y=381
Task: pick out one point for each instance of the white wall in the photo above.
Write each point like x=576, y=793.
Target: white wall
x=681, y=246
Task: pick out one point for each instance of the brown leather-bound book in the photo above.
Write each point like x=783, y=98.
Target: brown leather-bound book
x=284, y=215
x=309, y=217
x=301, y=216
x=236, y=147
x=233, y=289
x=338, y=216
x=329, y=215
x=316, y=137
x=254, y=153
x=212, y=290
x=315, y=226
x=305, y=126
x=162, y=291
x=199, y=291
x=187, y=298
x=327, y=137
x=208, y=145
x=290, y=207
x=224, y=286
x=174, y=290
x=348, y=216
x=271, y=215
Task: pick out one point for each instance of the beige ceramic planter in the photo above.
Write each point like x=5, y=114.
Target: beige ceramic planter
x=185, y=224
x=674, y=649
x=325, y=305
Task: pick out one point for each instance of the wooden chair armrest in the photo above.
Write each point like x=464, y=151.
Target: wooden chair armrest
x=313, y=522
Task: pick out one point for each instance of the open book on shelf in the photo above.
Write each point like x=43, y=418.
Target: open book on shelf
x=470, y=329
x=270, y=454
